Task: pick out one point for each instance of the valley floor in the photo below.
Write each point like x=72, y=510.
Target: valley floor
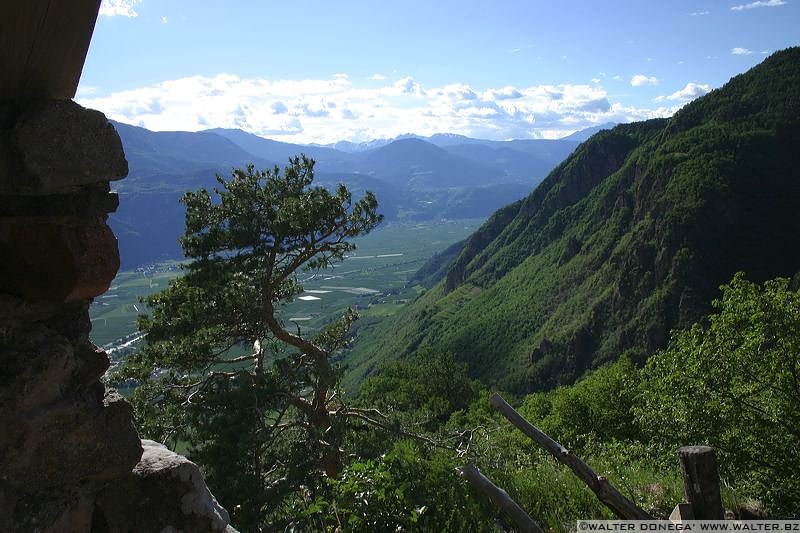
x=372, y=280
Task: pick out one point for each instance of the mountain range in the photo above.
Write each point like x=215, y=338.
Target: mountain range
x=629, y=237
x=414, y=178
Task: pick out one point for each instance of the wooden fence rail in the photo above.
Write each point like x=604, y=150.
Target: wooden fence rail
x=501, y=499
x=605, y=491
x=698, y=465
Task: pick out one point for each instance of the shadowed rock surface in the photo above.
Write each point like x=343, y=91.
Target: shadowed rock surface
x=164, y=490
x=66, y=442
x=70, y=456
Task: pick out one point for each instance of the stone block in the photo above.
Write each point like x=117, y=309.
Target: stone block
x=36, y=366
x=91, y=201
x=62, y=511
x=58, y=428
x=76, y=441
x=55, y=262
x=14, y=309
x=74, y=323
x=92, y=362
x=57, y=146
x=166, y=492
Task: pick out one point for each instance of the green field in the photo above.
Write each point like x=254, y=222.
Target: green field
x=372, y=280
x=114, y=313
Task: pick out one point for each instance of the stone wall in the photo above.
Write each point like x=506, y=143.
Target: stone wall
x=70, y=457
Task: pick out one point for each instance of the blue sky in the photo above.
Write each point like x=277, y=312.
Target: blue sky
x=316, y=71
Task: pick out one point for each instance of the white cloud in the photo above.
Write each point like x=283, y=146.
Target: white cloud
x=741, y=51
x=456, y=92
x=506, y=93
x=378, y=77
x=164, y=20
x=403, y=86
x=690, y=92
x=640, y=80
x=123, y=8
x=334, y=109
x=759, y=3
x=699, y=13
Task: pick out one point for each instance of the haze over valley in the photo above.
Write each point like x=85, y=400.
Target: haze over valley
x=416, y=179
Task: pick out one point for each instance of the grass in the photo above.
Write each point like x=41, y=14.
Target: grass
x=555, y=496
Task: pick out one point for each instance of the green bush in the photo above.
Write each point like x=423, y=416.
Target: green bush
x=595, y=409
x=734, y=384
x=407, y=489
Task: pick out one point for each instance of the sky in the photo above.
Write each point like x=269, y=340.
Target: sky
x=314, y=71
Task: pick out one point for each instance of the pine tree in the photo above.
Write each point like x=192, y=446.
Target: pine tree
x=256, y=404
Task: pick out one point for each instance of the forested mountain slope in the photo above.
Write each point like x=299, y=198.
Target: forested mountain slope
x=628, y=238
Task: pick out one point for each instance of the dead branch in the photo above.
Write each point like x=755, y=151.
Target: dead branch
x=359, y=415
x=605, y=491
x=500, y=498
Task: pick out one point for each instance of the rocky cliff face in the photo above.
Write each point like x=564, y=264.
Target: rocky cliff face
x=70, y=456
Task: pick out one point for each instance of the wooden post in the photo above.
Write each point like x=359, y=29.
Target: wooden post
x=701, y=482
x=499, y=497
x=605, y=491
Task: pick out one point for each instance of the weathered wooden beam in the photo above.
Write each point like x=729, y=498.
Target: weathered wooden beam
x=605, y=491
x=701, y=482
x=500, y=499
x=43, y=45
